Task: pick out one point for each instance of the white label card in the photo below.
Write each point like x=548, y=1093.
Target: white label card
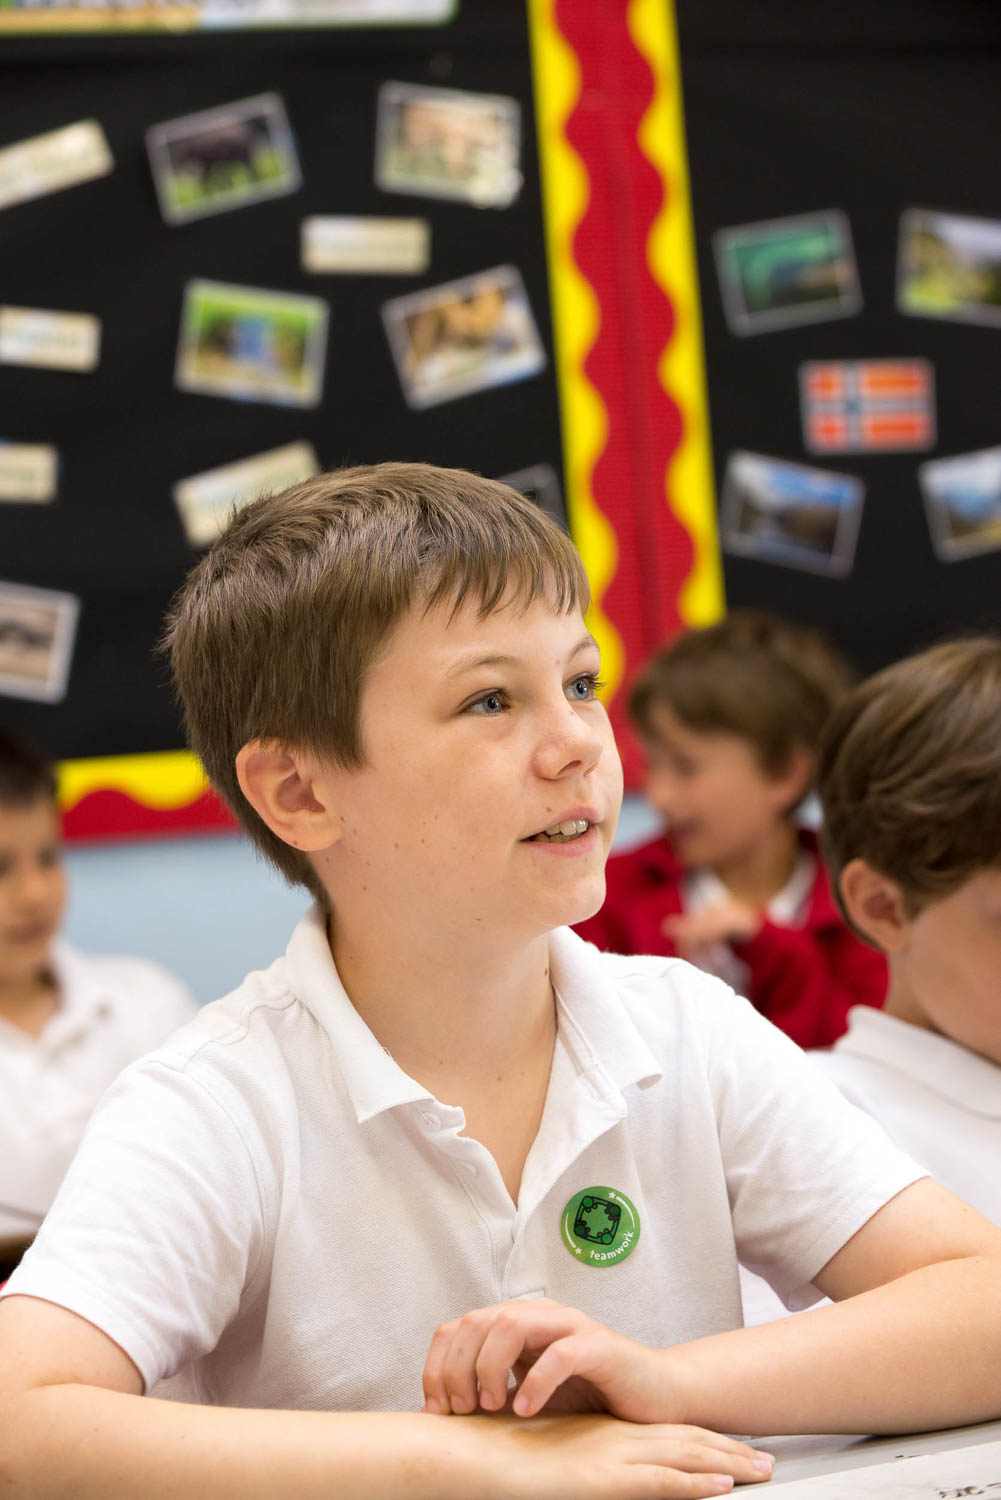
x=367, y=247
x=59, y=159
x=52, y=340
x=28, y=472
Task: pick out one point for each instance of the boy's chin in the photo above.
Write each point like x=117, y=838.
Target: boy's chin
x=589, y=904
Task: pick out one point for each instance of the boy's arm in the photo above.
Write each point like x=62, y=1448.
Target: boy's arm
x=916, y=1346
x=74, y=1422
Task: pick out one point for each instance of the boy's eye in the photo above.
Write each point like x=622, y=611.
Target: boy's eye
x=490, y=704
x=49, y=857
x=583, y=688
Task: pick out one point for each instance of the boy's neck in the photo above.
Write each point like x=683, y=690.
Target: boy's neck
x=29, y=1003
x=902, y=1003
x=452, y=1015
x=757, y=875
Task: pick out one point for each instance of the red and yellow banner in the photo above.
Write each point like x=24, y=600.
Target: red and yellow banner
x=624, y=293
x=134, y=796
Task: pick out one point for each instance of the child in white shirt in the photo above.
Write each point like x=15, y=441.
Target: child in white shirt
x=440, y=1099
x=910, y=782
x=69, y=1021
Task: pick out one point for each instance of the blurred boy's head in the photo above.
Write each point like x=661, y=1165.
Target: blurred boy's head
x=32, y=882
x=910, y=781
x=278, y=629
x=730, y=717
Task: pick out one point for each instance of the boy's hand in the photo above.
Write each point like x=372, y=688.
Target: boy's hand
x=561, y=1360
x=729, y=922
x=601, y=1458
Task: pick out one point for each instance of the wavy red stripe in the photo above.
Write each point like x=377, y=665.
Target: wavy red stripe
x=645, y=427
x=110, y=814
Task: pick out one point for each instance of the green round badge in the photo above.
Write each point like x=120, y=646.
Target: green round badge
x=600, y=1226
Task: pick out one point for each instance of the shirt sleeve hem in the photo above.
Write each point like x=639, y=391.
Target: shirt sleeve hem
x=836, y=1235
x=47, y=1285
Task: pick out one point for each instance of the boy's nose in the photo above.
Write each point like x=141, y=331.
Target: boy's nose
x=32, y=886
x=660, y=786
x=572, y=743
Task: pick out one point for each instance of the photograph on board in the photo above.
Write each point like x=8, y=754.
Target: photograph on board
x=787, y=271
x=223, y=158
x=949, y=266
x=465, y=336
x=962, y=498
x=251, y=345
x=790, y=514
x=867, y=405
x=444, y=143
x=37, y=627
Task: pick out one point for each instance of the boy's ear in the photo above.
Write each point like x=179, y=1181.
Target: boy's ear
x=288, y=792
x=875, y=904
x=792, y=783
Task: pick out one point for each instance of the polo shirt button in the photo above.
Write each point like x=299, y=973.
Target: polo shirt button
x=433, y=1121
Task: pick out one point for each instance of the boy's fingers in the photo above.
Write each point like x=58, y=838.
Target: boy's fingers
x=458, y=1371
x=572, y=1355
x=432, y=1377
x=515, y=1333
x=697, y=1462
x=648, y=1483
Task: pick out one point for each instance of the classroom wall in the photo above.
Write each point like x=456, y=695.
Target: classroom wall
x=206, y=907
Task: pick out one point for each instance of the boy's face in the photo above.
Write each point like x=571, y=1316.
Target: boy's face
x=32, y=889
x=717, y=800
x=950, y=964
x=479, y=734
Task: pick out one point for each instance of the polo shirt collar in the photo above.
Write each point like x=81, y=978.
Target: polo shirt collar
x=374, y=1082
x=942, y=1066
x=595, y=1027
x=83, y=1000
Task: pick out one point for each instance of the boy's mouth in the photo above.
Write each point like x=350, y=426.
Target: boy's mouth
x=562, y=833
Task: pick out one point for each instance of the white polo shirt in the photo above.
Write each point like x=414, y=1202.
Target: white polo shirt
x=273, y=1208
x=111, y=1011
x=938, y=1100
x=935, y=1098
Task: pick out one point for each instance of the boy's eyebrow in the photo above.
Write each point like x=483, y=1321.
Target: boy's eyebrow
x=499, y=659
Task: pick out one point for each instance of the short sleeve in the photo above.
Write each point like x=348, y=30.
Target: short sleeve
x=158, y=1228
x=805, y=1169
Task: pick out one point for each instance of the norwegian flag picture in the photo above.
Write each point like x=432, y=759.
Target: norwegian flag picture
x=867, y=405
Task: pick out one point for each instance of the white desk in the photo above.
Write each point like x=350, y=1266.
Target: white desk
x=806, y=1458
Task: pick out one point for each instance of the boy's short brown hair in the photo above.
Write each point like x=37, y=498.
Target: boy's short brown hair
x=273, y=633
x=26, y=775
x=910, y=771
x=769, y=681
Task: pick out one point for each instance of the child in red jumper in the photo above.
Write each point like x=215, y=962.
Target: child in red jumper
x=730, y=717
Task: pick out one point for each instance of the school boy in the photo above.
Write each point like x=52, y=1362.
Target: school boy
x=910, y=781
x=910, y=778
x=439, y=1099
x=69, y=1021
x=729, y=717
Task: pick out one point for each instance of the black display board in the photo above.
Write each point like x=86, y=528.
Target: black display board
x=871, y=108
x=113, y=536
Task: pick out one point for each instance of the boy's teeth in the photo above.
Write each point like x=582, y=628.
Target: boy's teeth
x=569, y=829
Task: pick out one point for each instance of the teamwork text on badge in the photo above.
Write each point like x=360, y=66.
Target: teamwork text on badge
x=600, y=1226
